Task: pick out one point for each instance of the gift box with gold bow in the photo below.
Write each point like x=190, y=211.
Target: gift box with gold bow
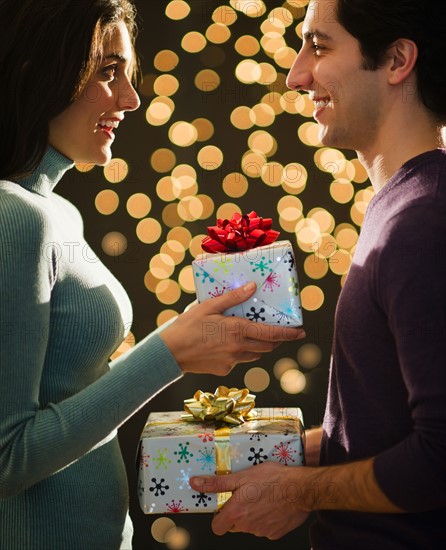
x=243, y=249
x=217, y=433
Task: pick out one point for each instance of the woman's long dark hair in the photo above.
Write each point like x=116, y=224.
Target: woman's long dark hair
x=49, y=49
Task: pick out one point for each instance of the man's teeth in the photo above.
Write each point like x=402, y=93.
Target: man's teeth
x=322, y=102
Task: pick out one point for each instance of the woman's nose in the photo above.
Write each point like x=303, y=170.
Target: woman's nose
x=128, y=99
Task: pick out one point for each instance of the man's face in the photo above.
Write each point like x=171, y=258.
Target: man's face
x=329, y=67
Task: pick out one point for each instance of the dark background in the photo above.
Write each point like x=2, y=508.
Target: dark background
x=136, y=140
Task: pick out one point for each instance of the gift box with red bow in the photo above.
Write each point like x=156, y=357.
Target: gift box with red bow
x=245, y=249
x=220, y=433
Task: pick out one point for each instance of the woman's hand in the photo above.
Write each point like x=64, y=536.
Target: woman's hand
x=203, y=340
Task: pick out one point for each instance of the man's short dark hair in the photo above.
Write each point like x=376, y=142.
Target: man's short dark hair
x=377, y=24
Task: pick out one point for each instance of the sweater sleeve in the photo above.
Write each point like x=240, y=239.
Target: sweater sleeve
x=411, y=275
x=36, y=441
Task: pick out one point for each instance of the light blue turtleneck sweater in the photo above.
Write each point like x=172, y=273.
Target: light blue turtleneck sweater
x=62, y=314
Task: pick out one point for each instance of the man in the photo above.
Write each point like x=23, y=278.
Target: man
x=376, y=471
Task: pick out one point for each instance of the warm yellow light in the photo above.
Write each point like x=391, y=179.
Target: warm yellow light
x=247, y=45
x=107, y=202
x=168, y=291
x=186, y=280
x=342, y=191
x=309, y=134
x=139, y=205
x=346, y=236
x=262, y=115
x=293, y=381
x=148, y=230
x=315, y=267
x=160, y=527
x=163, y=160
x=340, y=262
x=256, y=379
x=175, y=249
x=248, y=71
x=241, y=118
x=309, y=356
x=285, y=57
x=183, y=134
x=204, y=127
x=207, y=80
x=235, y=185
x=180, y=234
x=312, y=297
x=323, y=218
x=210, y=157
x=282, y=365
x=166, y=85
x=171, y=217
x=161, y=266
x=224, y=14
x=166, y=60
x=159, y=111
x=116, y=170
x=227, y=210
x=294, y=178
x=251, y=8
x=190, y=209
x=271, y=174
x=252, y=164
x=218, y=33
x=177, y=9
x=114, y=243
x=207, y=206
x=193, y=42
x=163, y=317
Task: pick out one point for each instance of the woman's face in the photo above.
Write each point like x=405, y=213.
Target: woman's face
x=84, y=132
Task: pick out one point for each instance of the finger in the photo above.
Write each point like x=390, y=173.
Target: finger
x=231, y=298
x=213, y=484
x=221, y=524
x=271, y=333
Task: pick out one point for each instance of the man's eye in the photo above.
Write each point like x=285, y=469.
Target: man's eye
x=317, y=47
x=110, y=71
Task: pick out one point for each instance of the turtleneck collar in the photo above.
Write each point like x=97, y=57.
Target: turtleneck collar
x=48, y=174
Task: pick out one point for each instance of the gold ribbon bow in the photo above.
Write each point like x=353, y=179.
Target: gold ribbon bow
x=229, y=405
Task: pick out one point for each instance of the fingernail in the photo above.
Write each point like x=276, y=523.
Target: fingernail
x=198, y=481
x=249, y=287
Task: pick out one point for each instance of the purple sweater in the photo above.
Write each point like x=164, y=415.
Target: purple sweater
x=387, y=392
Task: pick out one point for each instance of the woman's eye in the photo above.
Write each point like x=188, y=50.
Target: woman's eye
x=110, y=71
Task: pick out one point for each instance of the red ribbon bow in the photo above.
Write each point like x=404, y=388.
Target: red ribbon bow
x=239, y=233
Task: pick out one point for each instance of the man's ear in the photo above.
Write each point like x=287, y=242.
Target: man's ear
x=402, y=56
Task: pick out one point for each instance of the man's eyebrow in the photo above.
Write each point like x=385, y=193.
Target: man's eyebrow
x=309, y=35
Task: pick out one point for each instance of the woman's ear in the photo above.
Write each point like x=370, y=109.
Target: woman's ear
x=402, y=57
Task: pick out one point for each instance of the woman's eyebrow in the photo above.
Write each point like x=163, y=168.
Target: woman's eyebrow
x=117, y=56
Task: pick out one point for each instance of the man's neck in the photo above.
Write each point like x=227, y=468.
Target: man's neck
x=399, y=142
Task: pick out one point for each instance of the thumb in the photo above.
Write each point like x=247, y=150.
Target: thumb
x=233, y=297
x=214, y=484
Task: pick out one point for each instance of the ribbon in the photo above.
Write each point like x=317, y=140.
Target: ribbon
x=229, y=405
x=239, y=233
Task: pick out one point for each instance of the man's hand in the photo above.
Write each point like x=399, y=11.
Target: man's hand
x=264, y=502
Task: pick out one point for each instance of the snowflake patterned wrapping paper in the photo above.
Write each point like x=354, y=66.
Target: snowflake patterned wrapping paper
x=272, y=267
x=171, y=451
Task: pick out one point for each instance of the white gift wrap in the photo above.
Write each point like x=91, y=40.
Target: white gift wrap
x=172, y=450
x=272, y=267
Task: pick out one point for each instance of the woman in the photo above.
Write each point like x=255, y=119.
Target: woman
x=67, y=69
